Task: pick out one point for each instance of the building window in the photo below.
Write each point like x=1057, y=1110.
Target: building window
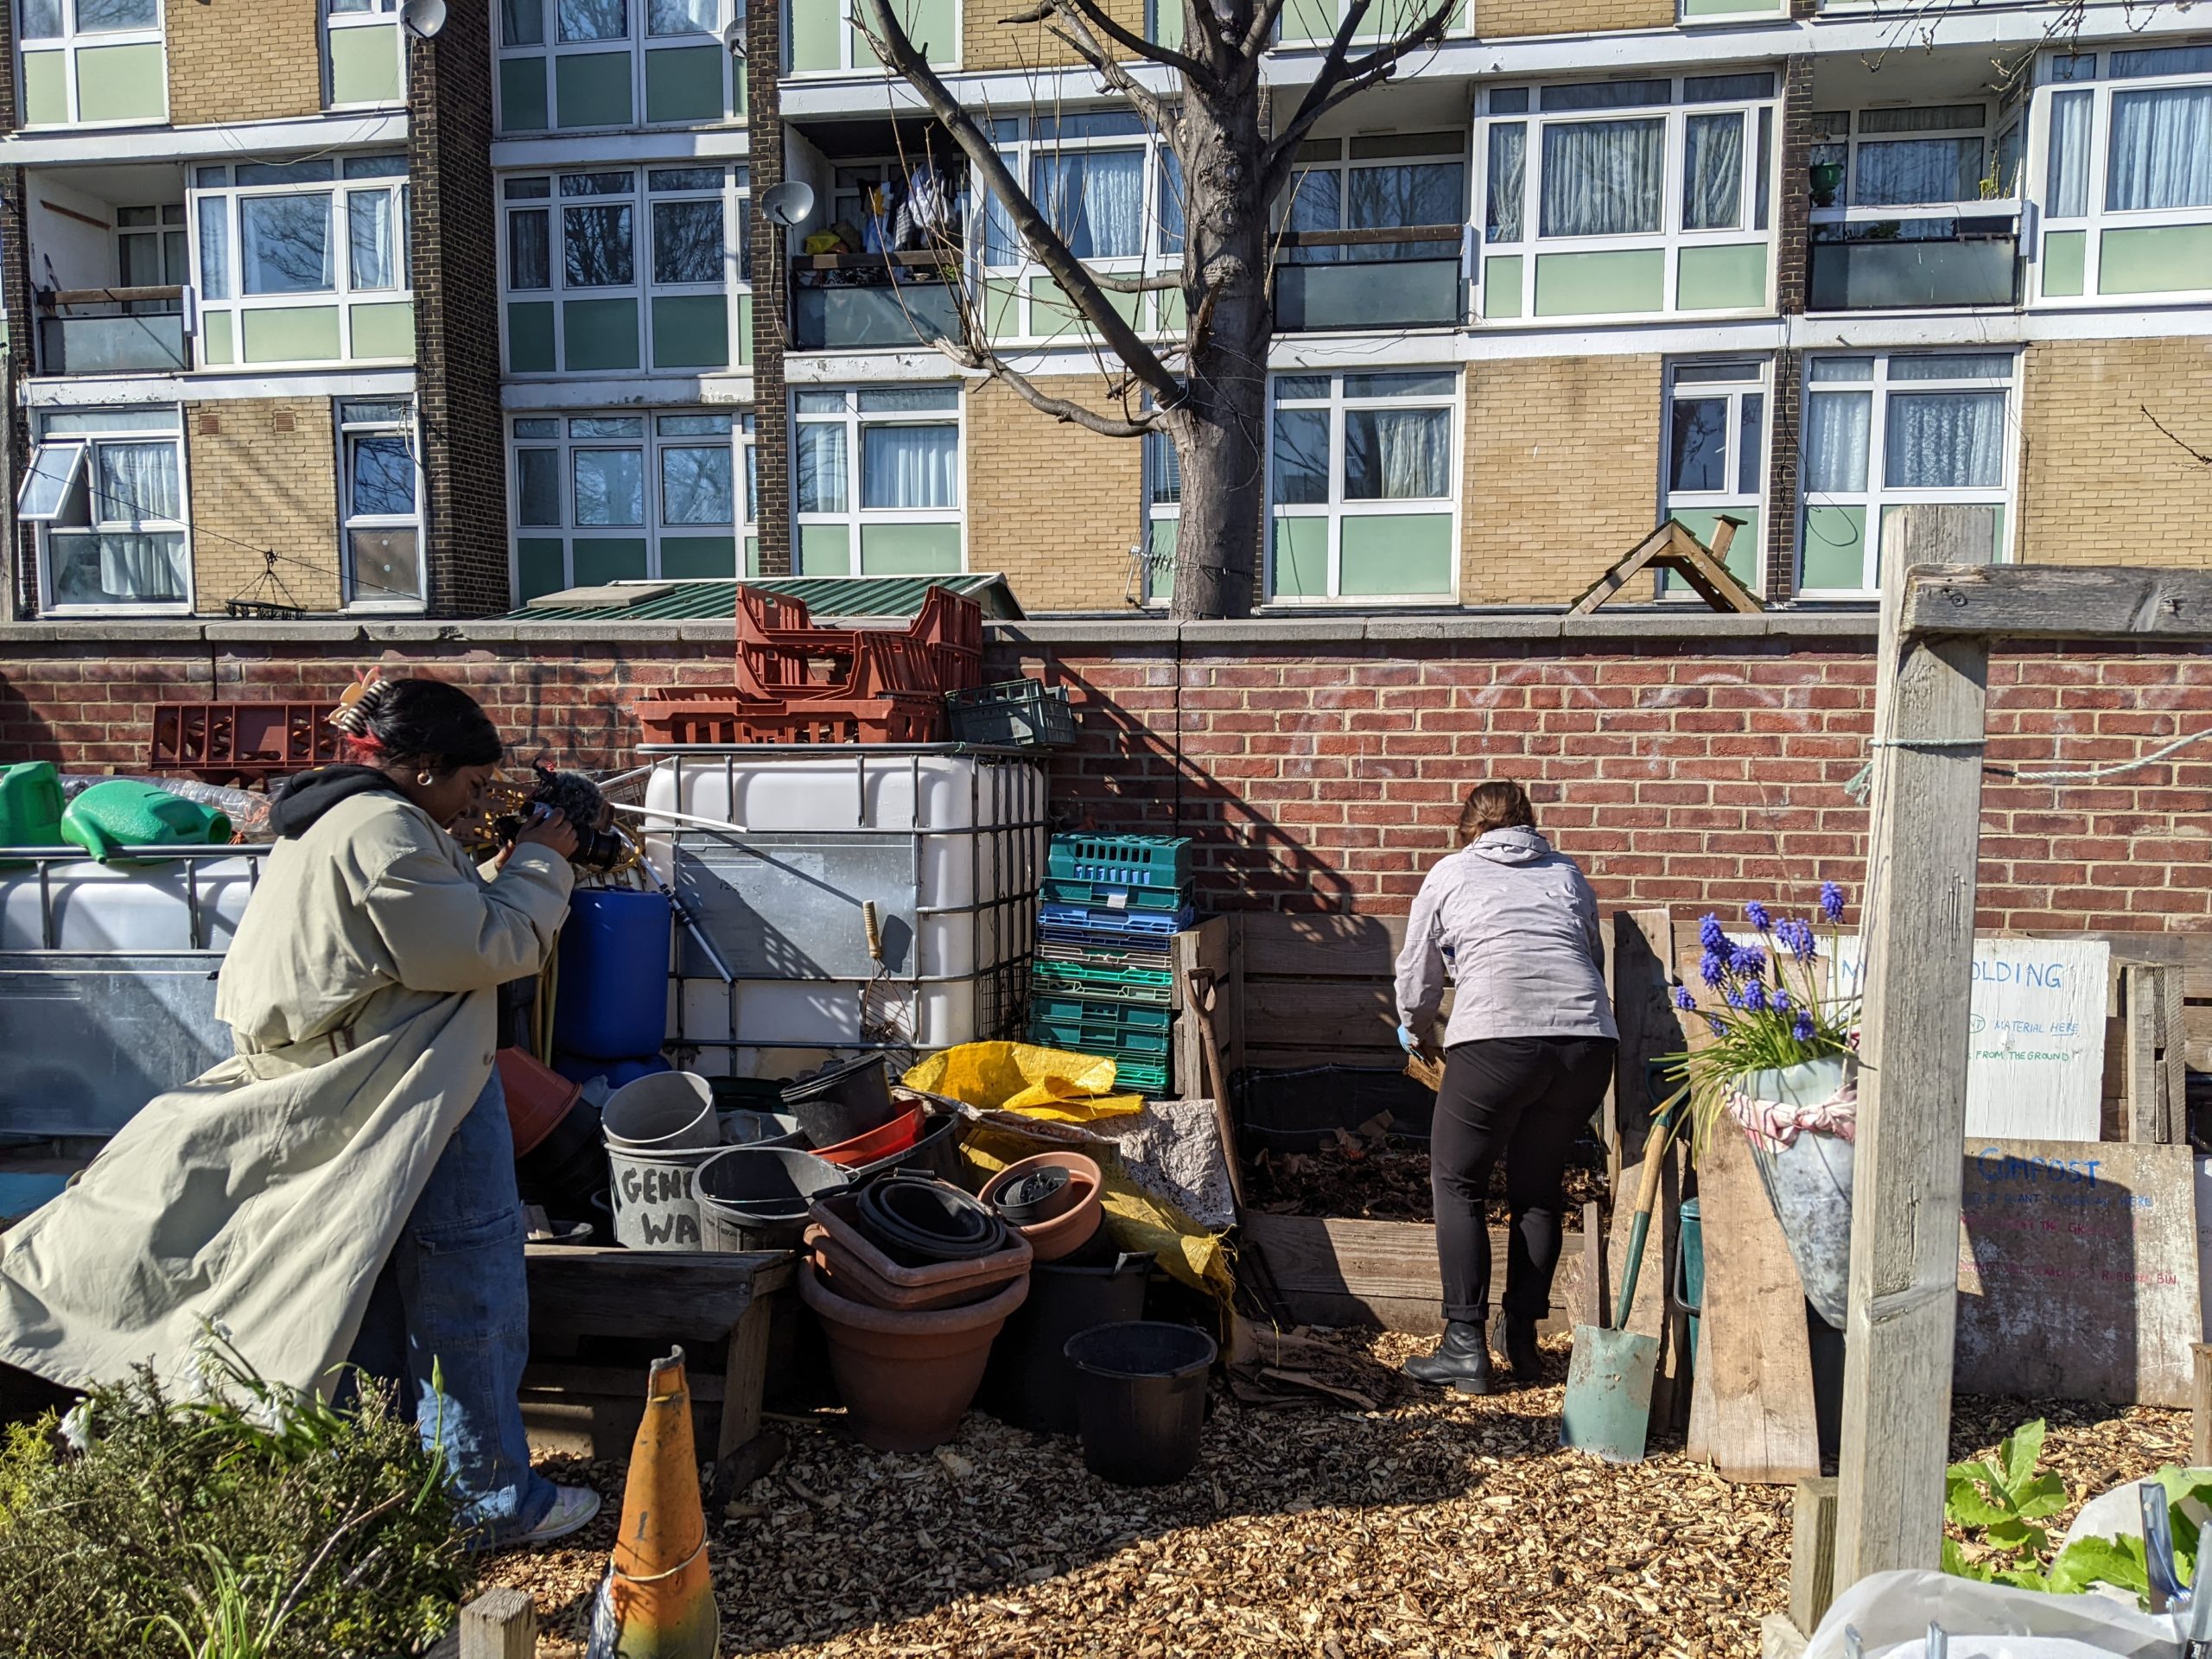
x=2126, y=174
x=364, y=54
x=876, y=482
x=1627, y=198
x=599, y=277
x=610, y=497
x=381, y=487
x=105, y=491
x=91, y=63
x=149, y=247
x=825, y=35
x=303, y=262
x=569, y=65
x=1163, y=515
x=1363, y=486
x=1924, y=156
x=1716, y=455
x=1908, y=458
x=1315, y=23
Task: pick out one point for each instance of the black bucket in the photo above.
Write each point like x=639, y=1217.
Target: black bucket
x=1030, y=1384
x=841, y=1102
x=1140, y=1399
x=915, y=1220
x=566, y=1170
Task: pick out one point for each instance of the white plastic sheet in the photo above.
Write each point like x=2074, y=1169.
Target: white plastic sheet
x=1892, y=1612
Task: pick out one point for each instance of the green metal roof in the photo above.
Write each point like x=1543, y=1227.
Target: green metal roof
x=714, y=599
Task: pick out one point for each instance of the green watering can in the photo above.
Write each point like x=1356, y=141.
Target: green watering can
x=125, y=812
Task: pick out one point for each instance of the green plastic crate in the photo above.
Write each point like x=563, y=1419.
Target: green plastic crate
x=1100, y=1037
x=1090, y=1011
x=1124, y=861
x=1104, y=982
x=1109, y=895
x=1133, y=1076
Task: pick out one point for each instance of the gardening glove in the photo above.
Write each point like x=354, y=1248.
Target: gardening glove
x=1407, y=1041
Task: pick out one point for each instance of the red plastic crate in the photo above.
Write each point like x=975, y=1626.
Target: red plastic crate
x=226, y=742
x=782, y=656
x=716, y=713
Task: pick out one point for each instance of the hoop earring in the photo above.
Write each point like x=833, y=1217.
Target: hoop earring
x=425, y=779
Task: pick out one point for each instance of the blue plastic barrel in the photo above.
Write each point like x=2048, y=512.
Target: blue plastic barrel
x=613, y=1000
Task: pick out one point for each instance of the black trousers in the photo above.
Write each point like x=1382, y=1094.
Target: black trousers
x=1524, y=1099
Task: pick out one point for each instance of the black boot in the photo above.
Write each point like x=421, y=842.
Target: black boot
x=1462, y=1359
x=1520, y=1351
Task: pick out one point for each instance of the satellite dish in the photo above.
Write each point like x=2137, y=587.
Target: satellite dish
x=422, y=18
x=787, y=204
x=734, y=36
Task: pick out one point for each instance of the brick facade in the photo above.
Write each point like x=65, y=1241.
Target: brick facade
x=988, y=43
x=1499, y=20
x=763, y=50
x=233, y=61
x=1051, y=505
x=2100, y=484
x=262, y=473
x=1562, y=473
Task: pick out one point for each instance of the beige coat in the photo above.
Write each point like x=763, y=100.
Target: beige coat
x=267, y=1193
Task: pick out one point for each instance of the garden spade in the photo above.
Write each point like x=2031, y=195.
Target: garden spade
x=1608, y=1408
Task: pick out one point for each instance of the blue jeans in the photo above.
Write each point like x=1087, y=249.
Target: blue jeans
x=449, y=1325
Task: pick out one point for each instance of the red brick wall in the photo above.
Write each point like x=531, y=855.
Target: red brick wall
x=1328, y=777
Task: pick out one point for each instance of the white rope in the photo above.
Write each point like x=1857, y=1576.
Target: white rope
x=1863, y=780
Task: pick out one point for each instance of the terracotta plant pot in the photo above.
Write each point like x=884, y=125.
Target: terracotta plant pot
x=859, y=1269
x=538, y=1098
x=906, y=1377
x=1063, y=1234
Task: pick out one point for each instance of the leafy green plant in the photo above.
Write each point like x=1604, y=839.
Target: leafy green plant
x=1998, y=1504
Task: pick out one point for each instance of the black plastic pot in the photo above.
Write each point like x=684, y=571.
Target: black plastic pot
x=568, y=1168
x=841, y=1102
x=916, y=1220
x=756, y=1197
x=1030, y=1384
x=1140, y=1399
x=1039, y=1196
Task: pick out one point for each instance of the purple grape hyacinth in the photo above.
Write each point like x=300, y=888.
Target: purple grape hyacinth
x=1831, y=901
x=1747, y=960
x=1755, y=914
x=1797, y=937
x=1710, y=934
x=1755, y=997
x=1683, y=1000
x=1802, y=1030
x=1713, y=968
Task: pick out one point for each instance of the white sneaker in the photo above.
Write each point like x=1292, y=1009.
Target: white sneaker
x=572, y=1512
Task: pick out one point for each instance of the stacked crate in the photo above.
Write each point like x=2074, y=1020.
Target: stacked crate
x=1104, y=978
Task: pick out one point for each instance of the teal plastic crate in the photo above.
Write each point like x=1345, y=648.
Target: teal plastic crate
x=1089, y=1011
x=1123, y=860
x=1066, y=972
x=1110, y=895
x=1102, y=1037
x=1133, y=1076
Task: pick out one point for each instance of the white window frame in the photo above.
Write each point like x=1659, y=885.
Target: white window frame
x=86, y=471
x=72, y=40
x=563, y=444
x=2093, y=78
x=175, y=273
x=1342, y=164
x=856, y=518
x=350, y=429
x=1337, y=508
x=1878, y=495
x=1756, y=381
x=370, y=14
x=1854, y=141
x=549, y=48
x=1670, y=238
x=341, y=294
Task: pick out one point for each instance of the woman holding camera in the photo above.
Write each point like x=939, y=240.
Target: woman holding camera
x=344, y=1187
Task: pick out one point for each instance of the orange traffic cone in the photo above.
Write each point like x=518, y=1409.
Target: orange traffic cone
x=657, y=1599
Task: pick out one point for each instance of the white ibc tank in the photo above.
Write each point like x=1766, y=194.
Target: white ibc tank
x=127, y=907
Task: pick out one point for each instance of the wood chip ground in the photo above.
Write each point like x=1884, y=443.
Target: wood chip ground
x=1431, y=1526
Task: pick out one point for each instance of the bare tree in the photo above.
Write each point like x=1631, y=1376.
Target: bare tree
x=1209, y=394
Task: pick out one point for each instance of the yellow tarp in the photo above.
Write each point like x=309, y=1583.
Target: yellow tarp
x=1042, y=1083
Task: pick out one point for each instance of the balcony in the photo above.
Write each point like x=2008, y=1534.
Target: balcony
x=1393, y=278
x=1948, y=255
x=112, y=330
x=873, y=302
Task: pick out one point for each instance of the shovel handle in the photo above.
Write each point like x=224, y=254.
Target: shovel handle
x=1647, y=1193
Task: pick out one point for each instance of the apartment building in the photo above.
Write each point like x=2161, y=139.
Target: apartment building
x=330, y=305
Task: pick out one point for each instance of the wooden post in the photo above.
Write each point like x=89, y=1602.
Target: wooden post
x=500, y=1624
x=2156, y=1085
x=745, y=1376
x=1930, y=704
x=1812, y=1554
x=2200, y=1408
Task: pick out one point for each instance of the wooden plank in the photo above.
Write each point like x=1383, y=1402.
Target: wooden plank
x=1335, y=947
x=1325, y=1013
x=1341, y=1272
x=2046, y=601
x=500, y=1623
x=2145, y=991
x=1649, y=1027
x=1203, y=949
x=611, y=1292
x=1593, y=1290
x=745, y=1376
x=2200, y=1405
x=1812, y=1552
x=1912, y=1090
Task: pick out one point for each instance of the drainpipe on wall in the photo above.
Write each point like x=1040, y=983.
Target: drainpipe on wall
x=7, y=485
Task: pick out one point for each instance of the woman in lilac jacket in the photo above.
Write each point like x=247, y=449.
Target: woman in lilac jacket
x=1529, y=1052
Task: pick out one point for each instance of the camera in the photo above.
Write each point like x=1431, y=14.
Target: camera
x=578, y=796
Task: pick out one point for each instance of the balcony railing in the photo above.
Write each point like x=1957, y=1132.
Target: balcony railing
x=1884, y=267
x=864, y=301
x=1378, y=283
x=112, y=330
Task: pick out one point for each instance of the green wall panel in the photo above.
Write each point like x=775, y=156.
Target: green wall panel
x=690, y=331
x=1002, y=309
x=1583, y=284
x=1722, y=279
x=216, y=345
x=365, y=65
x=744, y=328
x=814, y=25
x=1163, y=551
x=530, y=336
x=609, y=558
x=752, y=556
x=2064, y=253
x=123, y=83
x=684, y=83
x=1052, y=313
x=591, y=89
x=522, y=94
x=932, y=25
x=1309, y=20
x=1835, y=551
x=910, y=550
x=1301, y=559
x=385, y=329
x=600, y=334
x=2155, y=259
x=698, y=556
x=291, y=333
x=825, y=551
x=45, y=89
x=1502, y=287
x=1726, y=7
x=1396, y=555
x=1172, y=314
x=538, y=566
x=1743, y=559
x=1164, y=23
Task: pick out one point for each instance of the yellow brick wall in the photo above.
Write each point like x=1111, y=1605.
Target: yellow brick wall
x=242, y=60
x=2099, y=483
x=987, y=43
x=1562, y=473
x=1498, y=19
x=263, y=472
x=1052, y=505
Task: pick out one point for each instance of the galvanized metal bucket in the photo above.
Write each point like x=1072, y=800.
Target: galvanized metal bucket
x=1808, y=1184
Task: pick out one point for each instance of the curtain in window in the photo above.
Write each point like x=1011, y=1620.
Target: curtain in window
x=1509, y=152
x=1837, y=428
x=1944, y=441
x=1169, y=214
x=910, y=467
x=2161, y=150
x=2070, y=155
x=1397, y=455
x=1712, y=173
x=522, y=22
x=1095, y=201
x=538, y=488
x=1916, y=171
x=134, y=483
x=530, y=260
x=1602, y=178
x=368, y=216
x=287, y=244
x=133, y=567
x=820, y=471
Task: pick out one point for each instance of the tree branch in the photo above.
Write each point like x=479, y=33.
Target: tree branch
x=1265, y=16
x=1157, y=283
x=1097, y=15
x=1085, y=45
x=1061, y=410
x=2187, y=447
x=1044, y=242
x=1343, y=77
